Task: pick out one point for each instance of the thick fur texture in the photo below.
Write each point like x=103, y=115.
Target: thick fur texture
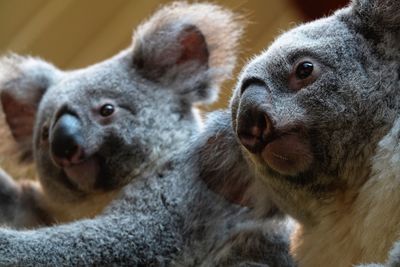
x=165, y=219
x=165, y=215
x=324, y=143
x=153, y=118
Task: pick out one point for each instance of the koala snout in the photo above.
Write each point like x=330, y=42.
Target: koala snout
x=66, y=141
x=285, y=148
x=254, y=126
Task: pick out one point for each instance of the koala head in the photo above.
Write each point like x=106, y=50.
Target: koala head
x=96, y=128
x=310, y=110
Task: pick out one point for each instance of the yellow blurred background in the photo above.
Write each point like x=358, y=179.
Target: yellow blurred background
x=76, y=33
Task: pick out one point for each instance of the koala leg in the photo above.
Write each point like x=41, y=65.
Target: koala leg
x=132, y=238
x=160, y=219
x=21, y=204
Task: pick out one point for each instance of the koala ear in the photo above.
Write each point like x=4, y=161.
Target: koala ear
x=190, y=48
x=23, y=82
x=378, y=15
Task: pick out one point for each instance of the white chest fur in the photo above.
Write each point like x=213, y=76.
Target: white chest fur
x=365, y=230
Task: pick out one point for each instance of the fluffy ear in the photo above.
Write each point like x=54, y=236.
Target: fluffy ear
x=191, y=48
x=23, y=81
x=378, y=16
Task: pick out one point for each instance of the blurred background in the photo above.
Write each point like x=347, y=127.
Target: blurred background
x=76, y=33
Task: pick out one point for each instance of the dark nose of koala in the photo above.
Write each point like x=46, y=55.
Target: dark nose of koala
x=66, y=140
x=254, y=125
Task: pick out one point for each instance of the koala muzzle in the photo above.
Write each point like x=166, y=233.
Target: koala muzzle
x=254, y=126
x=66, y=141
x=286, y=149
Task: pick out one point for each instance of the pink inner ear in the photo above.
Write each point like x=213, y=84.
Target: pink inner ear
x=194, y=46
x=19, y=116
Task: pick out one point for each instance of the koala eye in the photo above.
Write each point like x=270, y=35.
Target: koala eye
x=106, y=110
x=304, y=72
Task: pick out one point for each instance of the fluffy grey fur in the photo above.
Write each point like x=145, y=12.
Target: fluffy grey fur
x=176, y=60
x=319, y=141
x=164, y=219
x=165, y=215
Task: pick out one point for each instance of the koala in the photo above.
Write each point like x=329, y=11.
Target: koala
x=91, y=131
x=317, y=117
x=166, y=212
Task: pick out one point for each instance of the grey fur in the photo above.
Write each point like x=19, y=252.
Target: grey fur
x=170, y=219
x=336, y=121
x=394, y=257
x=154, y=114
x=165, y=215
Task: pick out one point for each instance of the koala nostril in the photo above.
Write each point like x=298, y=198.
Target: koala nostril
x=45, y=133
x=66, y=140
x=67, y=150
x=254, y=129
x=254, y=126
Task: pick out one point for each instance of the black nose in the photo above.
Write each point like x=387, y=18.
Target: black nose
x=67, y=140
x=254, y=126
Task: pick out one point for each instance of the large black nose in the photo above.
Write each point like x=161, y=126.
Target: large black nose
x=66, y=142
x=254, y=126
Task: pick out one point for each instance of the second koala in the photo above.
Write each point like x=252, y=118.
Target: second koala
x=91, y=131
x=317, y=114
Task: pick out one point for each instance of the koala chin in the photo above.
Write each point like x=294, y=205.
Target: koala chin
x=91, y=131
x=317, y=115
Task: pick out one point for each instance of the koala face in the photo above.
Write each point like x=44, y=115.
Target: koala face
x=310, y=110
x=96, y=129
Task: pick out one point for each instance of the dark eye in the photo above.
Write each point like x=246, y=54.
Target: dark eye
x=304, y=72
x=106, y=110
